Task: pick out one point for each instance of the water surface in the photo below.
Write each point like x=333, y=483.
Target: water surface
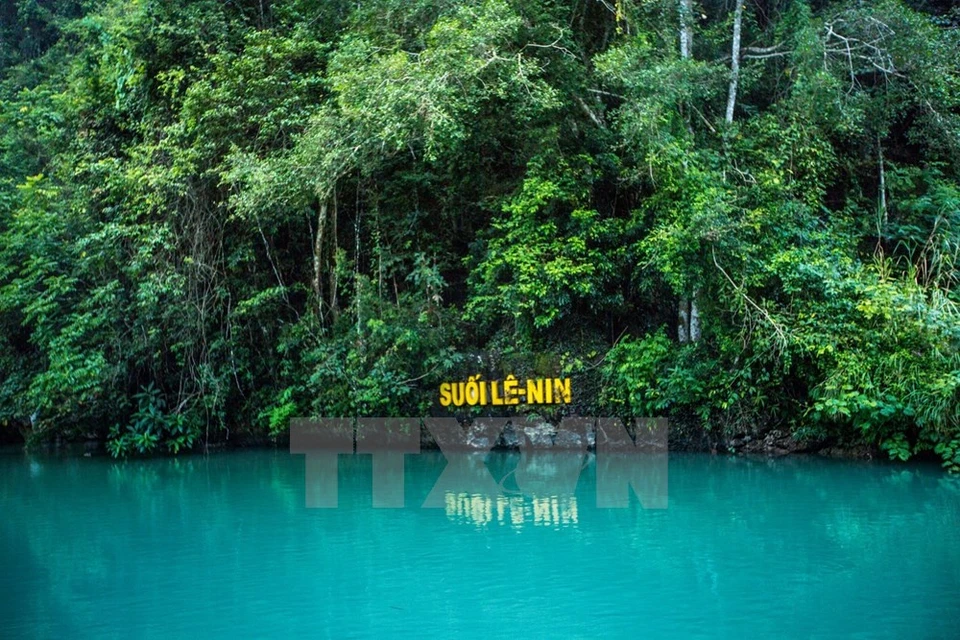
x=224, y=546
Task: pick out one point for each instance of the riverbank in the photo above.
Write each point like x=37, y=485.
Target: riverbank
x=540, y=435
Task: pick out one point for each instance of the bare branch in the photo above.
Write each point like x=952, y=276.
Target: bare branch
x=856, y=51
x=779, y=330
x=553, y=45
x=763, y=49
x=764, y=56
x=586, y=109
x=607, y=93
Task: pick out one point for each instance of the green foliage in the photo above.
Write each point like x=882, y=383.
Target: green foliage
x=950, y=452
x=546, y=254
x=395, y=356
x=636, y=374
x=239, y=213
x=151, y=427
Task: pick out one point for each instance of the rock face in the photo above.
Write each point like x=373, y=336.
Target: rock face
x=517, y=434
x=860, y=452
x=480, y=438
x=778, y=442
x=566, y=439
x=773, y=443
x=509, y=438
x=540, y=435
x=514, y=435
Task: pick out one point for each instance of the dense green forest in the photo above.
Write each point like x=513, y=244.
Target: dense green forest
x=216, y=215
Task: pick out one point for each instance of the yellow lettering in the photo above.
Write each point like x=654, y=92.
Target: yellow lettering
x=445, y=399
x=472, y=390
x=495, y=393
x=510, y=390
x=457, y=393
x=534, y=391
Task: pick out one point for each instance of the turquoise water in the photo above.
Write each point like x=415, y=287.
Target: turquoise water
x=223, y=546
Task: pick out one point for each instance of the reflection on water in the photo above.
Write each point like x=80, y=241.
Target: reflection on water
x=550, y=511
x=614, y=478
x=225, y=546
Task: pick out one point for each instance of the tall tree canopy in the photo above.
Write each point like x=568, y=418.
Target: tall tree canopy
x=739, y=214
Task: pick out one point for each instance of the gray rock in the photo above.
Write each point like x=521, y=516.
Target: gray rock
x=480, y=443
x=478, y=437
x=540, y=436
x=568, y=440
x=509, y=438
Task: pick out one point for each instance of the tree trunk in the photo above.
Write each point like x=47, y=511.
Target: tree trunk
x=731, y=105
x=334, y=307
x=688, y=314
x=686, y=29
x=683, y=321
x=318, y=257
x=695, y=316
x=883, y=217
x=735, y=61
x=356, y=267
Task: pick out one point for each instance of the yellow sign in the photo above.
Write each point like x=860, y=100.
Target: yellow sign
x=477, y=392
